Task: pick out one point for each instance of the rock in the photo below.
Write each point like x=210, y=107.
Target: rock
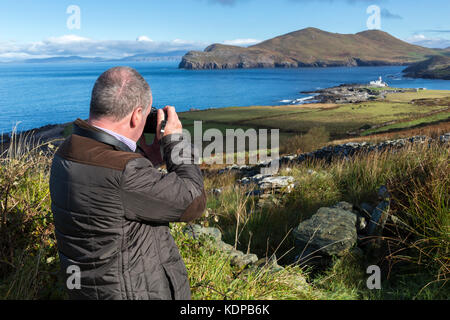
x=196, y=231
x=253, y=179
x=344, y=206
x=242, y=260
x=357, y=252
x=378, y=219
x=277, y=183
x=225, y=247
x=237, y=258
x=445, y=138
x=270, y=264
x=329, y=232
x=268, y=184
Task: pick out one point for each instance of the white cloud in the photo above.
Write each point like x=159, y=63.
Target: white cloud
x=242, y=42
x=429, y=42
x=71, y=45
x=144, y=38
x=67, y=39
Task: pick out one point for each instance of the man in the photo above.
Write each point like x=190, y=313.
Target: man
x=112, y=207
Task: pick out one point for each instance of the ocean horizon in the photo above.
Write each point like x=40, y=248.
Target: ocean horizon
x=33, y=95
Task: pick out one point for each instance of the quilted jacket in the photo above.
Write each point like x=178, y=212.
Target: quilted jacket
x=112, y=211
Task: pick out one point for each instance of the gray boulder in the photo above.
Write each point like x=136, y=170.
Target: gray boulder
x=344, y=206
x=445, y=138
x=241, y=260
x=196, y=231
x=277, y=183
x=237, y=258
x=329, y=232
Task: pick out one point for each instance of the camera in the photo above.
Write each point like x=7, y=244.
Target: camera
x=152, y=121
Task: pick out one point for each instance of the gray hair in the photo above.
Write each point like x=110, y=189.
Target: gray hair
x=118, y=92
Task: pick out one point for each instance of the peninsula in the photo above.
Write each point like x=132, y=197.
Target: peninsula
x=311, y=47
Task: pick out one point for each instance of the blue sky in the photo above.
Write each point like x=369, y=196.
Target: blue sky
x=30, y=28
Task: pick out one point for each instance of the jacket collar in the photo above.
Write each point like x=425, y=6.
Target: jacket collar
x=84, y=129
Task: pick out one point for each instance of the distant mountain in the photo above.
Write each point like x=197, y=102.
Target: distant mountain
x=165, y=56
x=311, y=47
x=437, y=67
x=144, y=57
x=71, y=59
x=433, y=43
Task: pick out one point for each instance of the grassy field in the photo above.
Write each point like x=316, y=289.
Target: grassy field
x=339, y=120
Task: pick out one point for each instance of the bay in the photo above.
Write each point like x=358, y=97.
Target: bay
x=34, y=95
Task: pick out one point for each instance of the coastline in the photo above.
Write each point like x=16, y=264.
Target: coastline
x=49, y=133
x=344, y=94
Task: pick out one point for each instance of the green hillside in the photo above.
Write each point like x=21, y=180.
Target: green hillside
x=313, y=48
x=437, y=67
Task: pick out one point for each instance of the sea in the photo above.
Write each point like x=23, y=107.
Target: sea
x=35, y=95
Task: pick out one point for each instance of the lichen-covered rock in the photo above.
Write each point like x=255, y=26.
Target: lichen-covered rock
x=237, y=258
x=196, y=231
x=241, y=260
x=277, y=183
x=269, y=183
x=329, y=232
x=344, y=206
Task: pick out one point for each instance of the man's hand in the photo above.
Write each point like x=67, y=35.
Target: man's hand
x=173, y=125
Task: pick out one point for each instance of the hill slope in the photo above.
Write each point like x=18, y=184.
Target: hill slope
x=313, y=48
x=437, y=67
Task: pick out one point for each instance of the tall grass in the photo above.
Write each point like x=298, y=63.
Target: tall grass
x=417, y=178
x=414, y=247
x=28, y=266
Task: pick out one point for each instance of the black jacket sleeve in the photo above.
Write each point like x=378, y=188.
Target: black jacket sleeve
x=149, y=195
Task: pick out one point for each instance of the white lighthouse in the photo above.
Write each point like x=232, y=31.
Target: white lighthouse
x=379, y=83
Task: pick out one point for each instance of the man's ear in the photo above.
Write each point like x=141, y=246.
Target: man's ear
x=136, y=117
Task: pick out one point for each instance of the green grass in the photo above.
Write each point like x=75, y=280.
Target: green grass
x=337, y=120
x=444, y=116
